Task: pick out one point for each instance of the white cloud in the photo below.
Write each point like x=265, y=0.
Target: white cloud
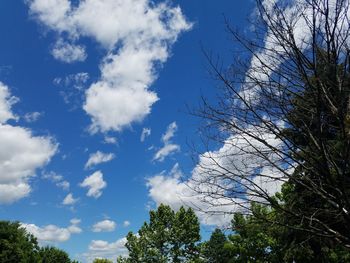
x=168, y=147
x=21, y=153
x=52, y=176
x=75, y=221
x=171, y=190
x=95, y=184
x=72, y=88
x=137, y=36
x=110, y=140
x=145, y=133
x=104, y=226
x=240, y=163
x=126, y=223
x=165, y=151
x=49, y=233
x=64, y=185
x=68, y=53
x=97, y=158
x=32, y=116
x=6, y=102
x=69, y=200
x=74, y=227
x=57, y=179
x=170, y=132
x=14, y=191
x=52, y=233
x=104, y=249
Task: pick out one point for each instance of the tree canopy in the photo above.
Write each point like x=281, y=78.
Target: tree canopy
x=168, y=237
x=17, y=245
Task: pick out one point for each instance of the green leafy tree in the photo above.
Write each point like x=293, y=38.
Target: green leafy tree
x=102, y=260
x=53, y=255
x=16, y=245
x=217, y=248
x=255, y=240
x=168, y=237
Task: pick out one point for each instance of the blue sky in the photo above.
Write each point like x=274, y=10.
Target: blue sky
x=80, y=82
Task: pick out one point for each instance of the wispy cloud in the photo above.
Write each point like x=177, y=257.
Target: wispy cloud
x=145, y=133
x=168, y=147
x=97, y=158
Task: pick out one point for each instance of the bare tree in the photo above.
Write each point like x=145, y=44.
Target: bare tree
x=283, y=116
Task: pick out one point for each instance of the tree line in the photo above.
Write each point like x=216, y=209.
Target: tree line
x=174, y=236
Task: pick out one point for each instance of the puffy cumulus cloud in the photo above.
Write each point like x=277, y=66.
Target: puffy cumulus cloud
x=95, y=184
x=74, y=227
x=6, y=102
x=168, y=147
x=97, y=158
x=239, y=164
x=126, y=223
x=52, y=233
x=104, y=226
x=113, y=109
x=68, y=53
x=137, y=36
x=49, y=233
x=104, y=249
x=10, y=193
x=21, y=153
x=145, y=133
x=69, y=200
x=171, y=190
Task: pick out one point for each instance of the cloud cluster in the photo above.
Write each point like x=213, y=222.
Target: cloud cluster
x=95, y=184
x=104, y=249
x=239, y=164
x=168, y=147
x=104, y=226
x=97, y=158
x=21, y=153
x=32, y=116
x=171, y=190
x=57, y=179
x=137, y=36
x=53, y=233
x=67, y=52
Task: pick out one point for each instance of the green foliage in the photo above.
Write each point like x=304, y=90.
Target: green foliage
x=168, y=237
x=53, y=255
x=254, y=240
x=217, y=248
x=102, y=260
x=264, y=237
x=16, y=245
